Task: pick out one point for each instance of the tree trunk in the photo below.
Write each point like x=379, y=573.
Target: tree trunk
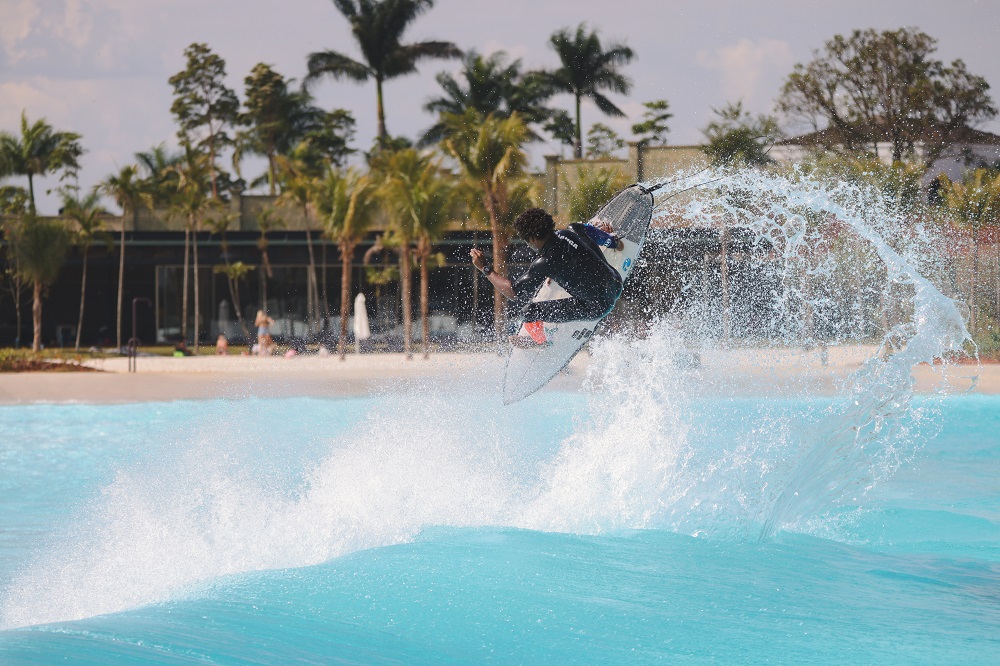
x=312, y=290
x=272, y=174
x=16, y=290
x=184, y=280
x=234, y=293
x=31, y=192
x=197, y=312
x=326, y=296
x=973, y=302
x=578, y=146
x=500, y=242
x=346, y=255
x=382, y=134
x=724, y=274
x=36, y=317
x=425, y=328
x=121, y=279
x=211, y=164
x=996, y=282
x=407, y=274
x=83, y=292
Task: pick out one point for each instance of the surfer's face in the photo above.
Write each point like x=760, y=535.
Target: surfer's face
x=535, y=243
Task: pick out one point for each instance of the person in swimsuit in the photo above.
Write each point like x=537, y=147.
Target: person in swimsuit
x=265, y=342
x=573, y=258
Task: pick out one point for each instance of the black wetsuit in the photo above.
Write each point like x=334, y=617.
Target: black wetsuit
x=576, y=262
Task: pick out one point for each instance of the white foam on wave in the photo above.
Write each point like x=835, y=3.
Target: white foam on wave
x=449, y=456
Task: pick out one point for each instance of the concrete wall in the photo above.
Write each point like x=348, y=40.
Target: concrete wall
x=642, y=164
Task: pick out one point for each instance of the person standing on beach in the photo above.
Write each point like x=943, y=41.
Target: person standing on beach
x=573, y=258
x=263, y=324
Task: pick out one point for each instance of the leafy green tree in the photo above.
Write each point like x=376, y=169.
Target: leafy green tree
x=15, y=204
x=562, y=128
x=587, y=69
x=739, y=138
x=39, y=246
x=489, y=84
x=38, y=151
x=900, y=183
x=875, y=86
x=490, y=154
x=88, y=215
x=653, y=129
x=420, y=201
x=378, y=27
x=205, y=108
x=328, y=143
x=276, y=118
x=127, y=191
x=347, y=202
x=602, y=141
x=593, y=188
x=974, y=205
x=14, y=201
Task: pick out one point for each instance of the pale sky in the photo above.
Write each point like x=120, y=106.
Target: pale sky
x=100, y=67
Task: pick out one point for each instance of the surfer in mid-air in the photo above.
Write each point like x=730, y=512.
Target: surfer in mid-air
x=573, y=258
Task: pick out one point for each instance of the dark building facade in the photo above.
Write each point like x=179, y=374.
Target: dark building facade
x=677, y=265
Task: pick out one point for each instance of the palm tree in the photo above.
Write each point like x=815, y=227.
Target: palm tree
x=89, y=217
x=40, y=249
x=347, y=204
x=160, y=175
x=402, y=169
x=593, y=188
x=192, y=202
x=378, y=27
x=275, y=120
x=266, y=221
x=127, y=191
x=489, y=85
x=420, y=200
x=38, y=151
x=587, y=69
x=490, y=154
x=299, y=185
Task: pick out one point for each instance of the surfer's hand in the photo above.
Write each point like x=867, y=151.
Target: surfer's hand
x=477, y=258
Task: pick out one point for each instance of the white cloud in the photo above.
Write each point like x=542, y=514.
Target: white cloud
x=18, y=17
x=748, y=68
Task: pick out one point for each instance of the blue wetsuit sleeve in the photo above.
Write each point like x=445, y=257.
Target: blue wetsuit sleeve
x=601, y=238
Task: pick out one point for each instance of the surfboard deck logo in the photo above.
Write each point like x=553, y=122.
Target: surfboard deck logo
x=530, y=365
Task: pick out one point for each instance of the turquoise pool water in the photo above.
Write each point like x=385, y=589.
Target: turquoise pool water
x=436, y=526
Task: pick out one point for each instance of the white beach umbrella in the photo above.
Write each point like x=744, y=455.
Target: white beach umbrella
x=361, y=328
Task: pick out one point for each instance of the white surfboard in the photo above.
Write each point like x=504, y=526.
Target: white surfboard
x=528, y=370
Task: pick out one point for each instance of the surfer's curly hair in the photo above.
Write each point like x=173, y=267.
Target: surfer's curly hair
x=534, y=223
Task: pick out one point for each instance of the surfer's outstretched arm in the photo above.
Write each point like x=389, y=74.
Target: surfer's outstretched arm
x=502, y=284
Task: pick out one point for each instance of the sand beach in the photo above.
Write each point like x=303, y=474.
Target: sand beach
x=196, y=378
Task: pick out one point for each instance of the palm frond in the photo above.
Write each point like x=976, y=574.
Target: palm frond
x=334, y=65
x=606, y=105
